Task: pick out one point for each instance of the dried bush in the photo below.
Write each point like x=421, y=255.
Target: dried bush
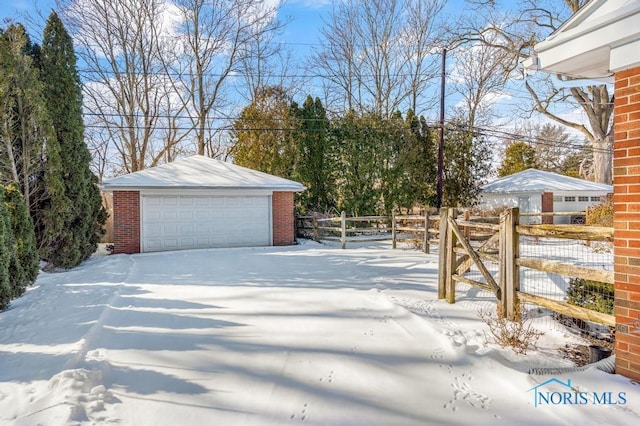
x=601, y=214
x=519, y=335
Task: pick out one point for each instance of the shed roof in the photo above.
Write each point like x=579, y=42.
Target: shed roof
x=533, y=180
x=199, y=172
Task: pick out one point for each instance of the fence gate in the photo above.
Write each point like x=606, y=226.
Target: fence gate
x=454, y=241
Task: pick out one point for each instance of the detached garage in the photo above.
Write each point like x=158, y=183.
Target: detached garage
x=536, y=191
x=199, y=202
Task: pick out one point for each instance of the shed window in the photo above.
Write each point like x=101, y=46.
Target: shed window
x=596, y=198
x=582, y=198
x=567, y=199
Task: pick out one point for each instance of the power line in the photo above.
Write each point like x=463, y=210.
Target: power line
x=432, y=125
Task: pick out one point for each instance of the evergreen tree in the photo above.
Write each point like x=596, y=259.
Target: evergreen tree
x=24, y=270
x=25, y=126
x=316, y=157
x=418, y=159
x=77, y=218
x=518, y=156
x=394, y=138
x=467, y=163
x=7, y=254
x=29, y=146
x=358, y=163
x=263, y=134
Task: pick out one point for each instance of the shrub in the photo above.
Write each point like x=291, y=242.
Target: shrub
x=592, y=295
x=25, y=269
x=601, y=214
x=7, y=253
x=519, y=335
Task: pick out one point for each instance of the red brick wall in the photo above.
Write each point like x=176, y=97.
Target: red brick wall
x=126, y=221
x=547, y=206
x=283, y=219
x=626, y=221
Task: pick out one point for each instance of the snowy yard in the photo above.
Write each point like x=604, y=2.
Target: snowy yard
x=309, y=334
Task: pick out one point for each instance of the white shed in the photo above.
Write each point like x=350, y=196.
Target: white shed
x=536, y=191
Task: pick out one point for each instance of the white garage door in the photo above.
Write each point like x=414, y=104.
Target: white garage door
x=187, y=222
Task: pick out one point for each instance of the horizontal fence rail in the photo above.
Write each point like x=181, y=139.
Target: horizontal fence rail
x=458, y=255
x=467, y=244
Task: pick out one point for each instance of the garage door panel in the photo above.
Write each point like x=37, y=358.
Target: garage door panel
x=169, y=201
x=183, y=222
x=186, y=201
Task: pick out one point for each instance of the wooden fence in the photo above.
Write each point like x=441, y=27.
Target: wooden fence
x=457, y=254
x=465, y=241
x=394, y=228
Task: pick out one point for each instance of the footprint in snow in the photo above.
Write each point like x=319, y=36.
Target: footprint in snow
x=328, y=378
x=437, y=354
x=384, y=319
x=462, y=391
x=303, y=413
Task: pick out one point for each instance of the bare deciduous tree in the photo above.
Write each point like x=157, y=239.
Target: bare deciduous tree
x=157, y=72
x=118, y=43
x=216, y=36
x=479, y=78
x=377, y=54
x=516, y=32
x=421, y=37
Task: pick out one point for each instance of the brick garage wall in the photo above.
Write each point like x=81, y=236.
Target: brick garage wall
x=626, y=218
x=547, y=207
x=126, y=222
x=283, y=219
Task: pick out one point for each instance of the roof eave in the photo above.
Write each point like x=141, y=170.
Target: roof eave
x=594, y=49
x=111, y=188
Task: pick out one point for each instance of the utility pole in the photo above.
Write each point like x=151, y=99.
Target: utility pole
x=440, y=180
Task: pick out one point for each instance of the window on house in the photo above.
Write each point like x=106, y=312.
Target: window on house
x=583, y=198
x=596, y=198
x=557, y=199
x=567, y=199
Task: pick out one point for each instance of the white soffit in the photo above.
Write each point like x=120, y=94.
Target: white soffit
x=586, y=46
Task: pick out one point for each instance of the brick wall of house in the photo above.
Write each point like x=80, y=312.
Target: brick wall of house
x=283, y=218
x=126, y=221
x=626, y=183
x=547, y=207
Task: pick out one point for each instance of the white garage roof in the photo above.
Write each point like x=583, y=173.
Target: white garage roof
x=533, y=180
x=199, y=172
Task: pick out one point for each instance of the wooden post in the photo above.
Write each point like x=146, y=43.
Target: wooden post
x=316, y=235
x=442, y=254
x=425, y=242
x=393, y=229
x=467, y=230
x=452, y=240
x=343, y=229
x=509, y=272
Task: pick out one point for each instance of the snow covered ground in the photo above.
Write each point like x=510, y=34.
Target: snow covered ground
x=309, y=334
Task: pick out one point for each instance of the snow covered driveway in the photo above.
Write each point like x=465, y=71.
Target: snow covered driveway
x=271, y=336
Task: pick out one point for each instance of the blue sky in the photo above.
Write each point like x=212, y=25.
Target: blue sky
x=305, y=14
x=302, y=32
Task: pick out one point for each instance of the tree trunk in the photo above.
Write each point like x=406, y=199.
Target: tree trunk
x=602, y=160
